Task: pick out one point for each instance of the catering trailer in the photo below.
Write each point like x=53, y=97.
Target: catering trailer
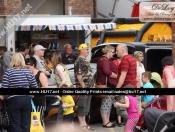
x=56, y=30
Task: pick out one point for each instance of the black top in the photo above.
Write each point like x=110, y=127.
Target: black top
x=39, y=100
x=69, y=59
x=23, y=56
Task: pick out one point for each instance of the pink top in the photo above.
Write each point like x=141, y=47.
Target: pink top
x=163, y=76
x=132, y=110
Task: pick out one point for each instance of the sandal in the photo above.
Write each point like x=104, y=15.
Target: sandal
x=108, y=126
x=90, y=128
x=113, y=124
x=84, y=128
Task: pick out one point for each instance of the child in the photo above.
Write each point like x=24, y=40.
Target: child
x=68, y=112
x=146, y=77
x=130, y=103
x=121, y=112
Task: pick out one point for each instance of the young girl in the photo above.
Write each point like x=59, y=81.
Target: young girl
x=68, y=112
x=130, y=103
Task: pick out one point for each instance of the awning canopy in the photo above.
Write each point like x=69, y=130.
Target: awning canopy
x=62, y=27
x=30, y=27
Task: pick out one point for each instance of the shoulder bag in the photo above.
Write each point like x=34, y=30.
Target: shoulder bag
x=35, y=125
x=98, y=85
x=4, y=118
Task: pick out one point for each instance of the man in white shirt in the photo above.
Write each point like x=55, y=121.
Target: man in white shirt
x=38, y=54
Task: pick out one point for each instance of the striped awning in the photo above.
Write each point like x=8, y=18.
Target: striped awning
x=30, y=27
x=62, y=27
x=93, y=26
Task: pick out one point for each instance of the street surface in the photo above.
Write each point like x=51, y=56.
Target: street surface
x=97, y=126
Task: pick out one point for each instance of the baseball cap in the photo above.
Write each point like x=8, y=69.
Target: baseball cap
x=39, y=47
x=82, y=46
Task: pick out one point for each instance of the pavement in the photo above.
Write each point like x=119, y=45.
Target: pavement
x=67, y=128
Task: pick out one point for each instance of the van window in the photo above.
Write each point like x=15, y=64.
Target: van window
x=153, y=59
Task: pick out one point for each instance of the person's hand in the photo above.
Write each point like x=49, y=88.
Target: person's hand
x=57, y=96
x=83, y=86
x=113, y=96
x=122, y=100
x=1, y=78
x=47, y=73
x=117, y=103
x=1, y=97
x=64, y=105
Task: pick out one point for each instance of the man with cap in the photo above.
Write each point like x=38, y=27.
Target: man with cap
x=38, y=54
x=84, y=79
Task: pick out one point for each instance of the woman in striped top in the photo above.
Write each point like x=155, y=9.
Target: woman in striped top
x=19, y=106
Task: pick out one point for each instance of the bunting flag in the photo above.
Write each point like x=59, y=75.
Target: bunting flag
x=62, y=27
x=30, y=27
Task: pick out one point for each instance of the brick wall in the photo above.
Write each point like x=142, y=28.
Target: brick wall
x=8, y=6
x=173, y=37
x=80, y=7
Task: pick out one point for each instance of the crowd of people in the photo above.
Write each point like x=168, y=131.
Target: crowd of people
x=19, y=70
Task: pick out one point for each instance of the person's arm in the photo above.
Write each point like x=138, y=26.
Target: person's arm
x=33, y=83
x=126, y=103
x=124, y=70
x=77, y=69
x=43, y=80
x=169, y=77
x=5, y=81
x=57, y=96
x=67, y=105
x=170, y=102
x=60, y=71
x=46, y=73
x=113, y=75
x=80, y=80
x=106, y=69
x=71, y=103
x=121, y=79
x=6, y=60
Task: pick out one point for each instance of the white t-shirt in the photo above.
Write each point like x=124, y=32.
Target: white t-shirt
x=140, y=70
x=40, y=64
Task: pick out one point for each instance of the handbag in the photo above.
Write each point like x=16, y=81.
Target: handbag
x=35, y=125
x=98, y=85
x=4, y=118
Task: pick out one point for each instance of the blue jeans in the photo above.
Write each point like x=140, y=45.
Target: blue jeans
x=19, y=110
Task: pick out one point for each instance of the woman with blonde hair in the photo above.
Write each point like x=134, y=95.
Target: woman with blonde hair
x=19, y=106
x=140, y=67
x=106, y=75
x=60, y=71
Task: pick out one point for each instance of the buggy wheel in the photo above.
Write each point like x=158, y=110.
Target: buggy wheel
x=136, y=130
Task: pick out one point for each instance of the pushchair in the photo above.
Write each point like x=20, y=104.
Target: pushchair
x=156, y=119
x=156, y=80
x=158, y=102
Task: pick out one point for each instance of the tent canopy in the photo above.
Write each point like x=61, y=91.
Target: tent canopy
x=67, y=27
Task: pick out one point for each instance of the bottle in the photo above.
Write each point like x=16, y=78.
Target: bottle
x=64, y=109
